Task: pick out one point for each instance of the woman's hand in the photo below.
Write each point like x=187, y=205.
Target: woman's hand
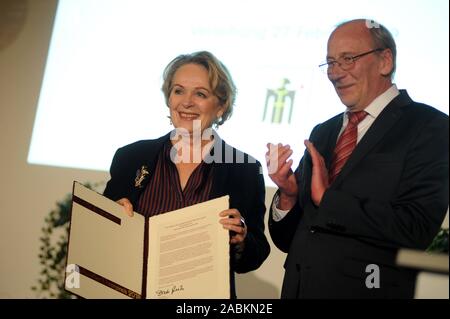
x=127, y=206
x=234, y=222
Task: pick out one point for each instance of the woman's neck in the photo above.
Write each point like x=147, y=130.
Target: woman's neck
x=192, y=148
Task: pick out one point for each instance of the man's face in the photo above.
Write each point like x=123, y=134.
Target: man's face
x=358, y=86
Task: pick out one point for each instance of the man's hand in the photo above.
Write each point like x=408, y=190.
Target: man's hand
x=280, y=171
x=319, y=179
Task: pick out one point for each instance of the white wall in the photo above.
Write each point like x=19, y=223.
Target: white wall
x=29, y=192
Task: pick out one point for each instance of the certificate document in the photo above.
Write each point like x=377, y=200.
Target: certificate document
x=178, y=254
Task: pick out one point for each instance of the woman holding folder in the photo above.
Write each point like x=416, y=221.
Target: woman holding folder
x=192, y=164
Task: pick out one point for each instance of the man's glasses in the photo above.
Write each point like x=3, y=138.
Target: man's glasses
x=345, y=62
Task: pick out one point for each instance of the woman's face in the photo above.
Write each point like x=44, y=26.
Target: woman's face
x=191, y=98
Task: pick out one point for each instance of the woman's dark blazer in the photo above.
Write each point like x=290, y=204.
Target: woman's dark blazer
x=235, y=174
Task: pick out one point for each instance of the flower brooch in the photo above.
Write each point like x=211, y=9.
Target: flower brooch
x=141, y=175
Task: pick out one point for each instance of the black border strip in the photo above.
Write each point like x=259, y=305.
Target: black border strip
x=108, y=283
x=145, y=261
x=96, y=209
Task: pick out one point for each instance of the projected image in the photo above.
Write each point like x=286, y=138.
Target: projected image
x=102, y=83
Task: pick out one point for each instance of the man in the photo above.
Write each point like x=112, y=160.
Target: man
x=370, y=182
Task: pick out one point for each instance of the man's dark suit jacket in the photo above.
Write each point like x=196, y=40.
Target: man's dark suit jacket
x=243, y=181
x=392, y=193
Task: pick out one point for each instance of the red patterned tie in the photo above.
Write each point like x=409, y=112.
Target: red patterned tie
x=345, y=144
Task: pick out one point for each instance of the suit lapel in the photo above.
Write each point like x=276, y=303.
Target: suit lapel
x=219, y=181
x=331, y=140
x=387, y=118
x=149, y=159
x=220, y=169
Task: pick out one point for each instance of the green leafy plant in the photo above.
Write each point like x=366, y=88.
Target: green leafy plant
x=440, y=242
x=52, y=254
x=53, y=251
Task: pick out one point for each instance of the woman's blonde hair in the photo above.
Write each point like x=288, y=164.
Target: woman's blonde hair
x=220, y=80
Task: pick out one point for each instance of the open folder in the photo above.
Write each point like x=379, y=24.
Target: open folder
x=179, y=254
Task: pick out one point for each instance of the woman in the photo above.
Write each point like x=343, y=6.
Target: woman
x=192, y=164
